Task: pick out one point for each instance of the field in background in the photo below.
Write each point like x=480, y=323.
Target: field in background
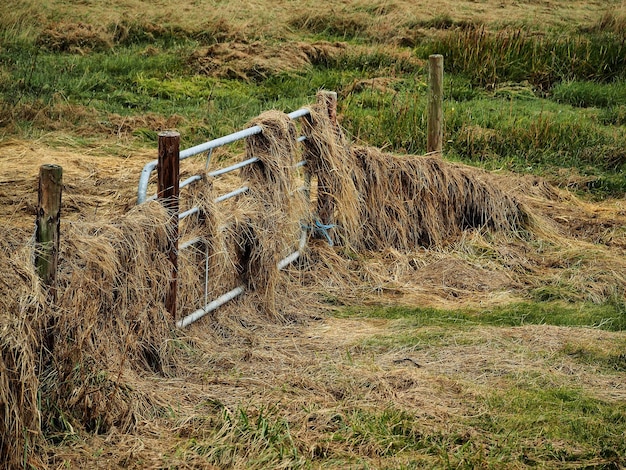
x=483, y=353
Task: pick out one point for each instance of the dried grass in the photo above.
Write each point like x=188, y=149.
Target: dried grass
x=20, y=334
x=280, y=209
x=74, y=37
x=413, y=230
x=387, y=201
x=259, y=60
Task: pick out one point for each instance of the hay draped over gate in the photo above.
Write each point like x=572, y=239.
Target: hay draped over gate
x=86, y=355
x=383, y=200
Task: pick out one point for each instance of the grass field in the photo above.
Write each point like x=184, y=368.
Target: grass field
x=490, y=351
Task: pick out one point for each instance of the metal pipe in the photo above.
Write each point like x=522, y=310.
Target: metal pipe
x=205, y=147
x=189, y=180
x=234, y=193
x=191, y=211
x=234, y=167
x=206, y=273
x=234, y=137
x=144, y=179
x=295, y=255
x=221, y=300
x=182, y=184
x=189, y=243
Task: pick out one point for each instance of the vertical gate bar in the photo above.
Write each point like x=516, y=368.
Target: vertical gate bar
x=167, y=193
x=206, y=273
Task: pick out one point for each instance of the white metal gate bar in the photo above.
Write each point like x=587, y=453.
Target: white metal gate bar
x=147, y=170
x=228, y=296
x=208, y=148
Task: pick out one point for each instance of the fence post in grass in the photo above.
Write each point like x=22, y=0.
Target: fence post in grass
x=325, y=204
x=435, y=104
x=167, y=193
x=48, y=225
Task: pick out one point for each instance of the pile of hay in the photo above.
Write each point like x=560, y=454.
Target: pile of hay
x=278, y=204
x=70, y=364
x=20, y=335
x=259, y=60
x=379, y=200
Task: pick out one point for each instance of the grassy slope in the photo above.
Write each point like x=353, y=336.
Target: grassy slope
x=492, y=390
x=510, y=104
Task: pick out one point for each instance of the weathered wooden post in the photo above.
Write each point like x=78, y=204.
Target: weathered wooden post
x=325, y=203
x=435, y=104
x=48, y=225
x=167, y=192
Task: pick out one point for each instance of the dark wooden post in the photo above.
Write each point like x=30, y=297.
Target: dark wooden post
x=435, y=104
x=325, y=203
x=167, y=192
x=48, y=225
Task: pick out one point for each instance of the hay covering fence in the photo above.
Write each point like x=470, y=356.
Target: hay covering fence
x=259, y=166
x=79, y=359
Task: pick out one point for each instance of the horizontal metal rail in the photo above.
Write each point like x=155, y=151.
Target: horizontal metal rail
x=147, y=170
x=234, y=167
x=228, y=296
x=231, y=194
x=193, y=210
x=189, y=243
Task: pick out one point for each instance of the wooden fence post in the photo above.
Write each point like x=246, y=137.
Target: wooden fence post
x=435, y=104
x=325, y=203
x=48, y=225
x=167, y=193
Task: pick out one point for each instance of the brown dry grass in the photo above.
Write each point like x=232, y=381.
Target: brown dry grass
x=388, y=21
x=108, y=363
x=258, y=60
x=383, y=201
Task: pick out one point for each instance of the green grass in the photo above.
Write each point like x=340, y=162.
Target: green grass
x=489, y=57
x=588, y=94
x=518, y=426
x=506, y=105
x=524, y=416
x=551, y=425
x=258, y=437
x=610, y=316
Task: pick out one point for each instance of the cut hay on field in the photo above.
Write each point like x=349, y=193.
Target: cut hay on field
x=260, y=60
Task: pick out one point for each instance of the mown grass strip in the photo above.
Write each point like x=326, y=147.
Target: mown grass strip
x=611, y=317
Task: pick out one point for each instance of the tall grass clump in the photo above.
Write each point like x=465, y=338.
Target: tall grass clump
x=20, y=24
x=547, y=139
x=343, y=25
x=516, y=55
x=587, y=94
